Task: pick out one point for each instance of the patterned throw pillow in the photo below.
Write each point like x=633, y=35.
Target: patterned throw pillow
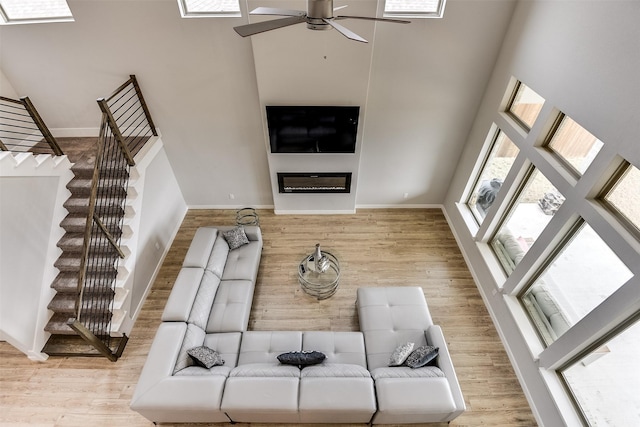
x=236, y=237
x=421, y=356
x=301, y=358
x=400, y=354
x=205, y=357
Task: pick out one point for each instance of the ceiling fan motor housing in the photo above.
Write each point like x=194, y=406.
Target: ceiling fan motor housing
x=316, y=11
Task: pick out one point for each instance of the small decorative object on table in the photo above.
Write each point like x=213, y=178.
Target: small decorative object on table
x=247, y=216
x=319, y=274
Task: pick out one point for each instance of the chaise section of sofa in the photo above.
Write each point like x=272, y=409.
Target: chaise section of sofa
x=390, y=317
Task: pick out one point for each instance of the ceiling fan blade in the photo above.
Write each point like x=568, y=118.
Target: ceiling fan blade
x=276, y=11
x=261, y=27
x=345, y=32
x=396, y=21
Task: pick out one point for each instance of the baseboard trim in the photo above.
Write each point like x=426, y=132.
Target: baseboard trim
x=226, y=207
x=75, y=132
x=403, y=206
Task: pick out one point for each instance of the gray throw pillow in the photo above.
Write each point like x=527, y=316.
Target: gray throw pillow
x=236, y=237
x=421, y=356
x=400, y=354
x=205, y=357
x=301, y=358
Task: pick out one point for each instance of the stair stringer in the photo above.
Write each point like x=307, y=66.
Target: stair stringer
x=23, y=165
x=123, y=314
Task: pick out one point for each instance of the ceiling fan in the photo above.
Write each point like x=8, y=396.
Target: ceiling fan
x=319, y=16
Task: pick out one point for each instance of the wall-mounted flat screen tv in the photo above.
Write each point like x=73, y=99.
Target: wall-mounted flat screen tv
x=312, y=129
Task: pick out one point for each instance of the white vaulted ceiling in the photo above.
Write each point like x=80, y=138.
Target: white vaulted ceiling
x=418, y=85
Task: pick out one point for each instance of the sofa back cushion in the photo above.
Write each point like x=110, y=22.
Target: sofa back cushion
x=194, y=337
x=265, y=346
x=203, y=301
x=218, y=257
x=339, y=347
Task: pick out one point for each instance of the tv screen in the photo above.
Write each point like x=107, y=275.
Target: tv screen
x=312, y=129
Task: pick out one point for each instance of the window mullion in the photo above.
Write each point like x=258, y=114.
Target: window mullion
x=593, y=329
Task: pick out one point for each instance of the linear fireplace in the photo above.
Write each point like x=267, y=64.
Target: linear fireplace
x=315, y=182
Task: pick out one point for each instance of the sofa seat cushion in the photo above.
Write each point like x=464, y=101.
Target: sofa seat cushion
x=413, y=400
x=336, y=400
x=243, y=263
x=231, y=306
x=265, y=370
x=335, y=370
x=227, y=344
x=407, y=372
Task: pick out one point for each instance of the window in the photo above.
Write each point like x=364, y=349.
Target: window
x=579, y=278
x=605, y=382
x=209, y=8
x=525, y=105
x=414, y=8
x=496, y=167
x=23, y=11
x=574, y=144
x=572, y=269
x=527, y=218
x=624, y=196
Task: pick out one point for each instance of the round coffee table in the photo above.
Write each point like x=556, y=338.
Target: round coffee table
x=320, y=285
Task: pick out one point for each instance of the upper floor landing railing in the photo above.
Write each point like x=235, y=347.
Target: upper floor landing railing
x=128, y=117
x=23, y=130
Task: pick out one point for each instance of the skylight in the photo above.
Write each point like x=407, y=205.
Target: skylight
x=209, y=8
x=29, y=11
x=414, y=8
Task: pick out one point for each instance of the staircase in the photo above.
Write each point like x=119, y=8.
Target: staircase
x=98, y=292
x=91, y=287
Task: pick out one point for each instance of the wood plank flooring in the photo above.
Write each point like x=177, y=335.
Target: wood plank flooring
x=378, y=247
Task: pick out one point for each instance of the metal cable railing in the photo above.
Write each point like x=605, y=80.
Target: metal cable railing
x=23, y=130
x=126, y=126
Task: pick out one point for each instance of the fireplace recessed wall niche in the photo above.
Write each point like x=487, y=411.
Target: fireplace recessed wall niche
x=314, y=182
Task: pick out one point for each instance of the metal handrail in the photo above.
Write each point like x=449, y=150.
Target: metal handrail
x=22, y=127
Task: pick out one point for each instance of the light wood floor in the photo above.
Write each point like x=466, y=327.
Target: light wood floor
x=394, y=247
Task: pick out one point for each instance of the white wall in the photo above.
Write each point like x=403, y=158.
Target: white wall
x=31, y=197
x=584, y=59
x=418, y=86
x=197, y=77
x=427, y=80
x=6, y=89
x=161, y=212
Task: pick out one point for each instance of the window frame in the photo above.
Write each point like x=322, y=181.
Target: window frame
x=185, y=13
x=439, y=13
x=6, y=20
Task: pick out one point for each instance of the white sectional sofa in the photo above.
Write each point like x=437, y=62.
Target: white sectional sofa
x=210, y=304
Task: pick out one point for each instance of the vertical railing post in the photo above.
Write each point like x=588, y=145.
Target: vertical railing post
x=26, y=102
x=144, y=104
x=116, y=132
